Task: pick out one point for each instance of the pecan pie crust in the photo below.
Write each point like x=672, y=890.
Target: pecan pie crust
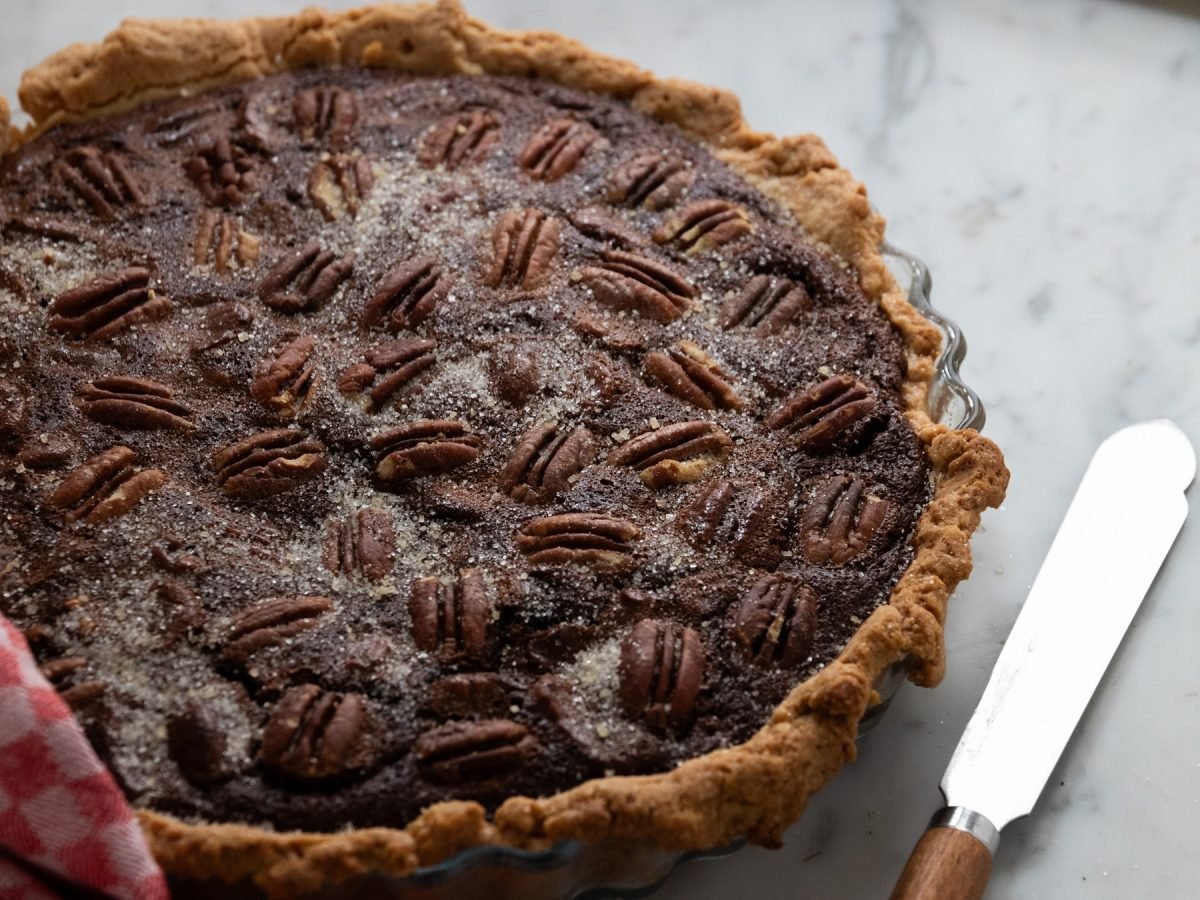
x=755, y=789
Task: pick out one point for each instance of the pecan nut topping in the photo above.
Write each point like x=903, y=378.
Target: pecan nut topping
x=325, y=112
x=425, y=447
x=460, y=752
x=61, y=673
x=461, y=139
x=221, y=240
x=590, y=539
x=306, y=279
x=767, y=304
x=654, y=180
x=104, y=486
x=98, y=178
x=840, y=521
x=704, y=225
x=556, y=148
x=285, y=381
x=693, y=376
x=524, y=244
x=818, y=416
x=674, y=454
x=627, y=281
x=196, y=742
x=452, y=620
x=399, y=363
x=337, y=186
x=408, y=295
x=364, y=543
x=267, y=464
x=132, y=403
x=182, y=611
x=223, y=172
x=469, y=695
x=270, y=623
x=315, y=735
x=776, y=621
x=741, y=515
x=661, y=671
x=106, y=306
x=544, y=462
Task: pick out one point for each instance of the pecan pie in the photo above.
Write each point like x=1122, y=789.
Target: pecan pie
x=404, y=421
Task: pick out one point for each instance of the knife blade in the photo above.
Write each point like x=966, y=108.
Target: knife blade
x=1123, y=519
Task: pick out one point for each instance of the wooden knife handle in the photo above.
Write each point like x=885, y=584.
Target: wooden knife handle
x=948, y=863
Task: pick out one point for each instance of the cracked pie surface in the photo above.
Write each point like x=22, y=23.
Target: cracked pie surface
x=385, y=446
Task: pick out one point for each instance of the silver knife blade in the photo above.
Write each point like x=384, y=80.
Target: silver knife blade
x=1124, y=518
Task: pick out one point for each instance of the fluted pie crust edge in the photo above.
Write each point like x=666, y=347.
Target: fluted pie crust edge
x=753, y=790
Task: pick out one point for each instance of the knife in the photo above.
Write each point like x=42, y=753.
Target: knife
x=1124, y=518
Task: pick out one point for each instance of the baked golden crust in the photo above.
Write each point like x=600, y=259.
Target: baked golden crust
x=756, y=789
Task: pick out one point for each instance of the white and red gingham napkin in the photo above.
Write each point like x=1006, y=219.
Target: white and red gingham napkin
x=65, y=828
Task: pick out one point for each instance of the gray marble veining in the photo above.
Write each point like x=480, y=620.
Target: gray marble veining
x=1044, y=159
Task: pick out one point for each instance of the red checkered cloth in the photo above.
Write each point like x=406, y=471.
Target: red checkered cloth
x=63, y=820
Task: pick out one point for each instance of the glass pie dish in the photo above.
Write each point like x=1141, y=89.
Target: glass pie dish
x=574, y=869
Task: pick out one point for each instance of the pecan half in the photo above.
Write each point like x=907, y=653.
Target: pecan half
x=451, y=620
x=840, y=520
x=98, y=178
x=306, y=279
x=545, y=460
x=738, y=514
x=196, y=742
x=61, y=675
x=704, y=225
x=776, y=620
x=471, y=694
x=389, y=369
x=601, y=224
x=661, y=670
x=223, y=172
x=407, y=295
x=461, y=139
x=268, y=463
x=337, y=186
x=693, y=376
x=654, y=180
x=819, y=415
x=556, y=148
x=424, y=447
x=176, y=125
x=325, y=112
x=524, y=244
x=591, y=539
x=104, y=486
x=628, y=281
x=221, y=240
x=182, y=611
x=362, y=543
x=315, y=735
x=270, y=623
x=286, y=380
x=459, y=752
x=104, y=307
x=514, y=373
x=132, y=403
x=767, y=303
x=674, y=454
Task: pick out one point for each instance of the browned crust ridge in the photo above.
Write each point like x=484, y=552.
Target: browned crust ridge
x=755, y=789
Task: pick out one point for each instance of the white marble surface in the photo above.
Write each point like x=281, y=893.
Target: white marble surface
x=1044, y=158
